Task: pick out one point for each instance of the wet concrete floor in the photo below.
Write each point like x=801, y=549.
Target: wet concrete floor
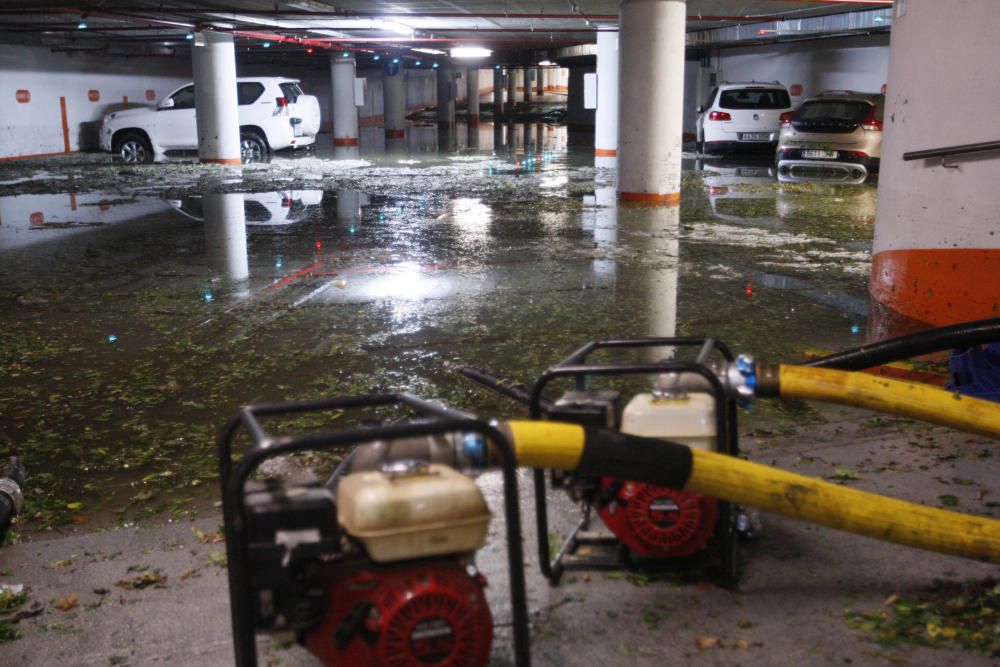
x=144, y=305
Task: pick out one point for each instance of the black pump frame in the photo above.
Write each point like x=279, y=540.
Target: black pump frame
x=234, y=476
x=727, y=439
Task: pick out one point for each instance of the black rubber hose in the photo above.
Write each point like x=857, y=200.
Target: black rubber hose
x=494, y=382
x=10, y=494
x=6, y=515
x=965, y=334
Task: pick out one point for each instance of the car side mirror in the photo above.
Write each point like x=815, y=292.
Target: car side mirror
x=701, y=109
x=167, y=104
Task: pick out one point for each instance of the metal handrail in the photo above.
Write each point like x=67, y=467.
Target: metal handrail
x=981, y=147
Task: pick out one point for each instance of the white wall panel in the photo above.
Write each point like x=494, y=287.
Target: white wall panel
x=35, y=127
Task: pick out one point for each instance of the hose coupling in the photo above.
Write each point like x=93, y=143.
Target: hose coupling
x=741, y=379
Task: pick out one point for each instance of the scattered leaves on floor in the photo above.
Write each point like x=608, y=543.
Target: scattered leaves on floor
x=950, y=615
x=144, y=579
x=67, y=603
x=217, y=558
x=706, y=642
x=207, y=538
x=843, y=475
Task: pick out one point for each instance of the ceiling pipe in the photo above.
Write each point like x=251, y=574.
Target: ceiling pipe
x=374, y=15
x=186, y=11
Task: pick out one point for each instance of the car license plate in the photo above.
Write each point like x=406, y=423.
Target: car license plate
x=756, y=136
x=819, y=155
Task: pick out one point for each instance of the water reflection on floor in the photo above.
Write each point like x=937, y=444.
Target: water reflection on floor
x=137, y=323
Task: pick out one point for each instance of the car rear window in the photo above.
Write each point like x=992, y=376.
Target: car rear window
x=754, y=98
x=291, y=91
x=247, y=92
x=841, y=111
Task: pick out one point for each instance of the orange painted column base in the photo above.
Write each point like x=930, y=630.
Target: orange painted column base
x=395, y=134
x=220, y=160
x=938, y=286
x=605, y=152
x=650, y=198
x=344, y=142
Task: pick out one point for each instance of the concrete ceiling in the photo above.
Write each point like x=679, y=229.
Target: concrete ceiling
x=514, y=30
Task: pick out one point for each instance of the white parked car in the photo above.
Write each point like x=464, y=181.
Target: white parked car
x=742, y=116
x=274, y=114
x=261, y=208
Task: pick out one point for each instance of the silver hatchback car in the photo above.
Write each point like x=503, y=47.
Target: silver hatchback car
x=836, y=136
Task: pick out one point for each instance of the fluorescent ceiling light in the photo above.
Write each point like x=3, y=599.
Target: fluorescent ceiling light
x=470, y=52
x=432, y=52
x=546, y=63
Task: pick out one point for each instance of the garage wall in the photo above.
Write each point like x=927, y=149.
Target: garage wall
x=52, y=103
x=420, y=88
x=854, y=63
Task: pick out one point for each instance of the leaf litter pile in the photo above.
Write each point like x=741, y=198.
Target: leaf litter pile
x=949, y=615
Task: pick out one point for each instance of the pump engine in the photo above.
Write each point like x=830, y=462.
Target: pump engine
x=652, y=521
x=377, y=570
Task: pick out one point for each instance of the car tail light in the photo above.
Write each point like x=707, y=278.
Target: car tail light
x=869, y=123
x=282, y=101
x=286, y=202
x=719, y=115
x=786, y=118
x=282, y=106
x=716, y=190
x=858, y=154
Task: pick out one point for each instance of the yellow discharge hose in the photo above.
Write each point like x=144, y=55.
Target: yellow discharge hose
x=906, y=399
x=600, y=452
x=843, y=508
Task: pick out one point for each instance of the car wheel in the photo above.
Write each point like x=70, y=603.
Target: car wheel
x=253, y=148
x=133, y=148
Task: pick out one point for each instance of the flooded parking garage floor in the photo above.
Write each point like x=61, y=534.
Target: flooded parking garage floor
x=145, y=305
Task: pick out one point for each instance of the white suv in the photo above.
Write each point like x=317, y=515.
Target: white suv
x=273, y=114
x=742, y=116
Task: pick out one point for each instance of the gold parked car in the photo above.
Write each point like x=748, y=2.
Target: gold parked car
x=835, y=136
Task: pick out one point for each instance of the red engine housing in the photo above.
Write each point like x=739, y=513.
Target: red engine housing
x=410, y=615
x=657, y=522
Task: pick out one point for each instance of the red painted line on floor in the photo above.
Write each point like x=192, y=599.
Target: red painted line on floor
x=35, y=155
x=293, y=277
x=345, y=141
x=65, y=124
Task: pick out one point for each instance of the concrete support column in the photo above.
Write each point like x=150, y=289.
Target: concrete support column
x=606, y=116
x=345, y=112
x=577, y=117
x=651, y=107
x=226, y=234
x=472, y=96
x=936, y=254
x=511, y=89
x=394, y=100
x=497, y=93
x=518, y=75
x=445, y=98
x=527, y=84
x=214, y=60
x=539, y=81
